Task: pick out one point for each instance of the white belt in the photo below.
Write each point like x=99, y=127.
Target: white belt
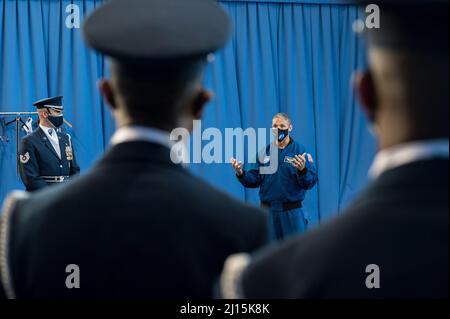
x=55, y=179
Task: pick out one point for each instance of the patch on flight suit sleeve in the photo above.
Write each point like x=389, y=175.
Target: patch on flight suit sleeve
x=309, y=157
x=24, y=158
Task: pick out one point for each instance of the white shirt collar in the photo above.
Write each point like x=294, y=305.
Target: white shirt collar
x=153, y=135
x=53, y=138
x=141, y=133
x=46, y=131
x=406, y=153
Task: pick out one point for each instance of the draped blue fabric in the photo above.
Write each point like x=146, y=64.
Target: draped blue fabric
x=41, y=57
x=290, y=56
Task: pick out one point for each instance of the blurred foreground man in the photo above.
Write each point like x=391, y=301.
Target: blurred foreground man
x=393, y=240
x=138, y=224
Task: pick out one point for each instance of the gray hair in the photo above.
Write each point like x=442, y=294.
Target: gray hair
x=283, y=116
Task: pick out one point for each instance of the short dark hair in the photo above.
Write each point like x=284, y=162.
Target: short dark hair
x=151, y=92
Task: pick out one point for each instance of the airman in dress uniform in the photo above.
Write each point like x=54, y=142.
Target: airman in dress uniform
x=46, y=155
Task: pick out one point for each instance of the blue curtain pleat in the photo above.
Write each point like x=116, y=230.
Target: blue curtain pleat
x=284, y=56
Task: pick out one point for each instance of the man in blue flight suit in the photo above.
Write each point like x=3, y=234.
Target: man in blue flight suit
x=46, y=156
x=283, y=191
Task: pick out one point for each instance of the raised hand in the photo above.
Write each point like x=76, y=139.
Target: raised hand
x=237, y=166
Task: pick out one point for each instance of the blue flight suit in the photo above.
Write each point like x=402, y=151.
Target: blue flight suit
x=40, y=165
x=286, y=185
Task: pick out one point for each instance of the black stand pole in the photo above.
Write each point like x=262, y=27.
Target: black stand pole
x=17, y=144
x=17, y=120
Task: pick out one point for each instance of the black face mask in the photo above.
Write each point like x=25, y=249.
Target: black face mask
x=56, y=121
x=282, y=134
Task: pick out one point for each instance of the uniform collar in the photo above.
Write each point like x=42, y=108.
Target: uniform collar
x=291, y=140
x=46, y=130
x=135, y=133
x=406, y=153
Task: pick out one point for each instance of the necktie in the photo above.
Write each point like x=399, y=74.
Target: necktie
x=50, y=131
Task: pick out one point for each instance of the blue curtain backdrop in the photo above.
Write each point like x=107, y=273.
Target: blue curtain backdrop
x=290, y=56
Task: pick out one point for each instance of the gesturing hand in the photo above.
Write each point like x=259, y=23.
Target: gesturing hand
x=237, y=166
x=299, y=161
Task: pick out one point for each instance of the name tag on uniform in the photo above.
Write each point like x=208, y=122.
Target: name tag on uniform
x=288, y=159
x=69, y=154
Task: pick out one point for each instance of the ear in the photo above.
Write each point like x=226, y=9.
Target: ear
x=201, y=98
x=364, y=85
x=106, y=91
x=290, y=128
